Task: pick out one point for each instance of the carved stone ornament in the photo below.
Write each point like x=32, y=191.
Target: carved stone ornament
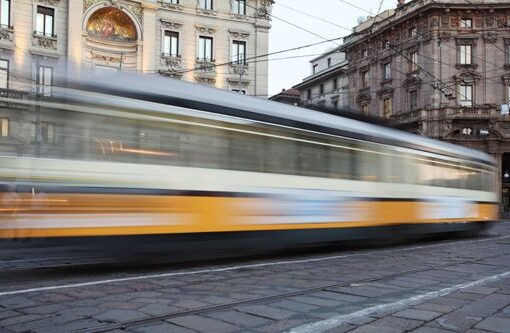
x=205, y=30
x=205, y=79
x=265, y=8
x=173, y=63
x=45, y=42
x=170, y=25
x=49, y=2
x=6, y=34
x=412, y=80
x=174, y=6
x=238, y=69
x=468, y=76
x=239, y=34
x=506, y=79
x=363, y=97
x=170, y=73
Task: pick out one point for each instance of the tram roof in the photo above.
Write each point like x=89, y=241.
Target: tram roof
x=166, y=90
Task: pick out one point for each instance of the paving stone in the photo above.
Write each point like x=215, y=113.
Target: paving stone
x=17, y=302
x=241, y=319
x=19, y=319
x=189, y=304
x=70, y=326
x=339, y=296
x=365, y=291
x=375, y=329
x=267, y=311
x=8, y=314
x=398, y=323
x=340, y=329
x=119, y=315
x=317, y=301
x=203, y=324
x=436, y=307
x=43, y=309
x=416, y=314
x=455, y=322
x=162, y=327
x=480, y=290
x=428, y=329
x=294, y=306
x=159, y=309
x=285, y=324
x=121, y=305
x=495, y=324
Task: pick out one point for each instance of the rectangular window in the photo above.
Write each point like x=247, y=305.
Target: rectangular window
x=47, y=132
x=335, y=84
x=4, y=74
x=4, y=127
x=315, y=69
x=45, y=24
x=239, y=52
x=335, y=104
x=413, y=61
x=308, y=94
x=321, y=89
x=5, y=13
x=413, y=100
x=205, y=48
x=413, y=32
x=44, y=80
x=329, y=62
x=206, y=4
x=175, y=2
x=387, y=107
x=239, y=7
x=365, y=79
x=364, y=53
x=466, y=95
x=242, y=91
x=364, y=109
x=387, y=71
x=171, y=44
x=465, y=54
x=466, y=23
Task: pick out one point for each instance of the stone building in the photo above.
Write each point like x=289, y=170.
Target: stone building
x=439, y=68
x=327, y=84
x=207, y=41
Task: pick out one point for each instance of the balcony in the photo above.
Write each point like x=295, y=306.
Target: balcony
x=469, y=113
x=406, y=117
x=10, y=94
x=45, y=41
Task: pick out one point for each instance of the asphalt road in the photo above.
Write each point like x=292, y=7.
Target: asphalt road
x=452, y=285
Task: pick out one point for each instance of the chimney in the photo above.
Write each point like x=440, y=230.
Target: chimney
x=400, y=3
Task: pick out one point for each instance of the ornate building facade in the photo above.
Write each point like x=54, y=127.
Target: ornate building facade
x=439, y=68
x=206, y=41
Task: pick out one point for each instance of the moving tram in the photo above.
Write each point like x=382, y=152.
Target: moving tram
x=140, y=156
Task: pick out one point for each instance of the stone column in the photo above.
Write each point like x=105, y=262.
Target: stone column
x=74, y=33
x=149, y=37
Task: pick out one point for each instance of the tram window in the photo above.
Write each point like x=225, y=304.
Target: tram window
x=281, y=156
x=312, y=159
x=247, y=152
x=341, y=163
x=367, y=166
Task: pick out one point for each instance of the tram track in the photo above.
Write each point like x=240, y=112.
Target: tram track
x=113, y=326
x=276, y=296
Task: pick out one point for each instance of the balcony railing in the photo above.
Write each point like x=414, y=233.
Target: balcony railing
x=406, y=117
x=12, y=94
x=469, y=113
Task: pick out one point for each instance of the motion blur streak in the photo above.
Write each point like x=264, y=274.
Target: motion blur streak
x=134, y=155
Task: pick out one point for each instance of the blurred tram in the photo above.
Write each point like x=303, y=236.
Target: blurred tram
x=130, y=156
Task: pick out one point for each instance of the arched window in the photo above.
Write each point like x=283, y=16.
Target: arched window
x=467, y=131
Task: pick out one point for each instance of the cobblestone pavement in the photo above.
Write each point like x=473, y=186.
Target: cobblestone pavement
x=457, y=285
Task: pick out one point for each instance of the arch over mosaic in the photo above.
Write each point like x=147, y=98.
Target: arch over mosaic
x=111, y=23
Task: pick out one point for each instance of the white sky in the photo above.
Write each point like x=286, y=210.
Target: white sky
x=288, y=72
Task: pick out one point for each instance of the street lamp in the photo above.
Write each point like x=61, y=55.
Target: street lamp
x=506, y=175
